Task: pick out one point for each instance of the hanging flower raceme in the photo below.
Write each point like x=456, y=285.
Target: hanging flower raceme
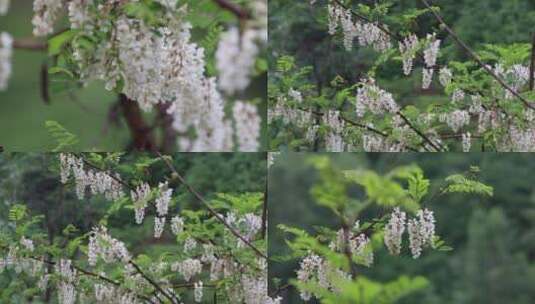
x=368, y=34
x=372, y=98
x=247, y=126
x=394, y=231
x=4, y=7
x=103, y=246
x=408, y=48
x=163, y=198
x=334, y=140
x=421, y=231
x=98, y=182
x=6, y=51
x=140, y=197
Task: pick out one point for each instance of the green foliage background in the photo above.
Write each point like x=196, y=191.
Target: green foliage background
x=493, y=257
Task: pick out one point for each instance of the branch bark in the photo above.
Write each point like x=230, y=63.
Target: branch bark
x=29, y=44
x=141, y=133
x=532, y=66
x=233, y=8
x=209, y=208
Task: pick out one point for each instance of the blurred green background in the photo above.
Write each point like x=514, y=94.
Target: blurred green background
x=84, y=112
x=33, y=179
x=493, y=260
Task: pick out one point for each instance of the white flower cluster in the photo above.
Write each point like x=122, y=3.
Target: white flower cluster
x=394, y=231
x=45, y=14
x=27, y=244
x=445, y=76
x=295, y=95
x=140, y=197
x=408, y=48
x=431, y=52
x=4, y=7
x=188, y=268
x=314, y=268
x=357, y=245
x=190, y=244
x=6, y=51
x=98, y=182
x=374, y=99
x=177, y=225
x=248, y=226
x=238, y=48
x=516, y=76
x=163, y=198
x=457, y=96
x=421, y=231
x=160, y=65
x=456, y=119
x=102, y=245
x=159, y=224
x=288, y=113
x=235, y=57
x=334, y=141
x=248, y=125
x=66, y=288
x=198, y=291
x=467, y=141
x=368, y=34
x=255, y=287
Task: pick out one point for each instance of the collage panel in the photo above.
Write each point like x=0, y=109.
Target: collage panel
x=401, y=76
x=116, y=75
x=368, y=228
x=133, y=228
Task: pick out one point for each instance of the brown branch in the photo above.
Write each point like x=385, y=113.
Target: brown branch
x=265, y=207
x=207, y=206
x=141, y=133
x=148, y=279
x=233, y=8
x=474, y=56
x=532, y=66
x=29, y=44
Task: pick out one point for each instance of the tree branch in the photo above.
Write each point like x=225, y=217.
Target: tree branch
x=233, y=8
x=141, y=133
x=532, y=66
x=29, y=44
x=148, y=279
x=474, y=56
x=207, y=206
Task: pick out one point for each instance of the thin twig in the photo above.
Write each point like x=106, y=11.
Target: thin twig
x=148, y=279
x=210, y=209
x=474, y=56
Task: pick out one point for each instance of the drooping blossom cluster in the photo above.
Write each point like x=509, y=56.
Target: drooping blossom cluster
x=66, y=287
x=430, y=58
x=316, y=269
x=103, y=246
x=334, y=141
x=46, y=12
x=408, y=48
x=140, y=197
x=6, y=51
x=466, y=141
x=188, y=268
x=289, y=112
x=394, y=231
x=421, y=231
x=248, y=125
x=374, y=99
x=160, y=65
x=98, y=182
x=4, y=7
x=456, y=119
x=367, y=33
x=177, y=225
x=357, y=244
